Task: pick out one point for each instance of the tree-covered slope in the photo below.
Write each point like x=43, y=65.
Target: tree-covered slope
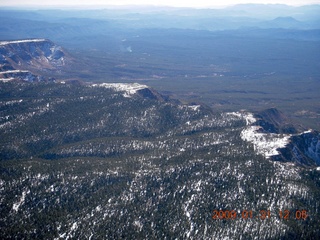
x=112, y=162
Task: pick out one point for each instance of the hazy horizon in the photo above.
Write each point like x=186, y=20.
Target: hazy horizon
x=155, y=3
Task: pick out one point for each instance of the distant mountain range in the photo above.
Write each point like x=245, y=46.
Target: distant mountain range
x=239, y=16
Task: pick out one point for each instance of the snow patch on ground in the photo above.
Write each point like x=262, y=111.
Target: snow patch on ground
x=16, y=205
x=194, y=107
x=247, y=116
x=128, y=88
x=6, y=79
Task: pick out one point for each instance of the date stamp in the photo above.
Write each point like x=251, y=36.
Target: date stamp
x=261, y=214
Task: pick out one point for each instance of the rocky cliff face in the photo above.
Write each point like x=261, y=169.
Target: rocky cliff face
x=35, y=56
x=303, y=149
x=274, y=121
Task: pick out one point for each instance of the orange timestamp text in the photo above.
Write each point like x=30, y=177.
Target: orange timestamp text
x=261, y=214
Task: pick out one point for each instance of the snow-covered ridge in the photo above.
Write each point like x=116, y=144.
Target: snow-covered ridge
x=2, y=43
x=14, y=71
x=264, y=143
x=8, y=79
x=128, y=88
x=25, y=75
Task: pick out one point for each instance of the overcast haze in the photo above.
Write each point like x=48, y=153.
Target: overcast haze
x=175, y=3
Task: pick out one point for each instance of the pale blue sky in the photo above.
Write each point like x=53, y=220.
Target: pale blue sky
x=175, y=3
